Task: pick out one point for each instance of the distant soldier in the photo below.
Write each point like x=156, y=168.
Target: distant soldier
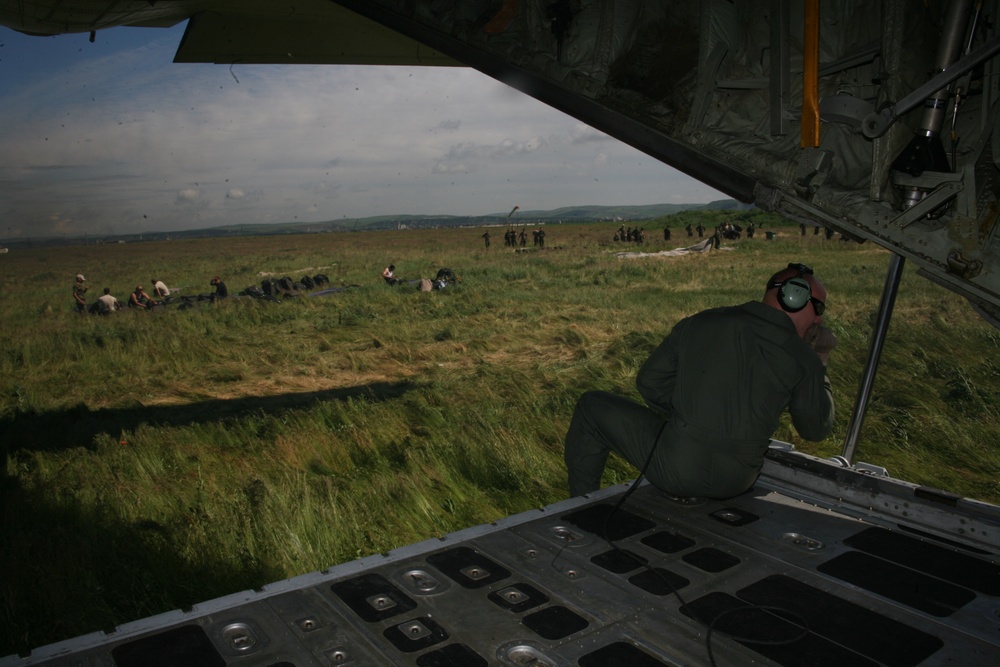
x=750, y=230
x=523, y=238
x=541, y=238
x=486, y=239
x=80, y=294
x=701, y=230
x=689, y=229
x=666, y=233
x=829, y=233
x=221, y=291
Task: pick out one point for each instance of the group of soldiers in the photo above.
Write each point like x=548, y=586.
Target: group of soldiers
x=826, y=230
x=107, y=303
x=690, y=230
x=725, y=230
x=629, y=235
x=512, y=238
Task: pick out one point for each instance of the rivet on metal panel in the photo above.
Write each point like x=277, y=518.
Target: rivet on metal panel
x=727, y=515
x=414, y=630
x=381, y=602
x=802, y=541
x=563, y=533
x=307, y=624
x=475, y=573
x=421, y=581
x=513, y=596
x=239, y=636
x=528, y=655
x=338, y=656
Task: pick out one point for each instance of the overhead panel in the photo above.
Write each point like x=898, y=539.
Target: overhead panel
x=339, y=36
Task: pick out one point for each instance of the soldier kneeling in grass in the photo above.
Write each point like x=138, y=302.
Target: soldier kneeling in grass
x=139, y=299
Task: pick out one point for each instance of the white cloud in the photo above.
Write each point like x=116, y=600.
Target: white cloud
x=188, y=195
x=582, y=134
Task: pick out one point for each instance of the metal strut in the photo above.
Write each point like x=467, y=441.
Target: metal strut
x=886, y=305
x=936, y=92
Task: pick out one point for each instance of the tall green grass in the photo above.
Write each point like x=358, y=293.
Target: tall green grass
x=157, y=459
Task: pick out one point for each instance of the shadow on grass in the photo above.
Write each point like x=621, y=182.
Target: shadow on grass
x=67, y=569
x=77, y=426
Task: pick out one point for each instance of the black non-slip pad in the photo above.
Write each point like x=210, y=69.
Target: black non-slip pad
x=623, y=524
x=711, y=560
x=658, y=581
x=619, y=561
x=518, y=597
x=187, y=645
x=914, y=589
x=415, y=634
x=373, y=597
x=668, y=542
x=925, y=556
x=468, y=568
x=869, y=633
x=554, y=622
x=769, y=635
x=453, y=655
x=619, y=653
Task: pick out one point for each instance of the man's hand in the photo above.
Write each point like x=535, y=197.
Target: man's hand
x=821, y=340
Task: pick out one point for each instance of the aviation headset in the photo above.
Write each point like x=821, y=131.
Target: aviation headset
x=795, y=292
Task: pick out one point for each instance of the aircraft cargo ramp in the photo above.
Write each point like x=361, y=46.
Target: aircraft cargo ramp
x=818, y=564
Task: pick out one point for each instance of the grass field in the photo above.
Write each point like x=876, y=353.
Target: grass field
x=157, y=459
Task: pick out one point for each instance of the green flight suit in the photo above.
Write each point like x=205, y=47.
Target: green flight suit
x=716, y=387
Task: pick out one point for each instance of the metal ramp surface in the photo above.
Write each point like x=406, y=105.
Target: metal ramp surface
x=818, y=564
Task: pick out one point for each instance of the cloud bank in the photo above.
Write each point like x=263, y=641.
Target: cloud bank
x=127, y=140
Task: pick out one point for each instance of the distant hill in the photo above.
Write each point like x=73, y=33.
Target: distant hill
x=648, y=212
x=407, y=221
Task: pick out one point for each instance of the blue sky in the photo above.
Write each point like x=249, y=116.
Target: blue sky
x=113, y=137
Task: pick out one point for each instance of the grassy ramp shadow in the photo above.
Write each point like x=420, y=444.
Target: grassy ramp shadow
x=77, y=426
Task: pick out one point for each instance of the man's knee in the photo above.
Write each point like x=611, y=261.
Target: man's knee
x=593, y=400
